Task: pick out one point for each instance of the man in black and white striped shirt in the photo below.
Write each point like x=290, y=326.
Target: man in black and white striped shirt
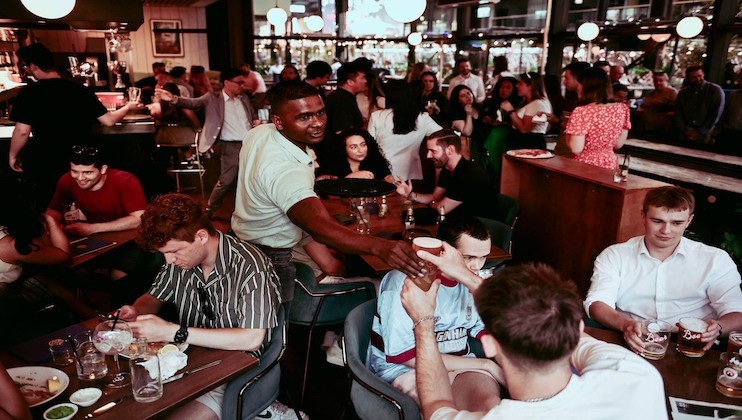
x=225, y=290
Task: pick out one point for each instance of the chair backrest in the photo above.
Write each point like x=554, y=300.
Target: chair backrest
x=255, y=390
x=500, y=233
x=326, y=304
x=175, y=135
x=372, y=397
x=509, y=208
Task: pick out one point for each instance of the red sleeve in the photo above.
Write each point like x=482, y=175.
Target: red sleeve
x=132, y=195
x=578, y=122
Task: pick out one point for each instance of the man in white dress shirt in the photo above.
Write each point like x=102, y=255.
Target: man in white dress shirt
x=663, y=275
x=465, y=77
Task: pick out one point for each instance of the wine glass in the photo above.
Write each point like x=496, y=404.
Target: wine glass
x=112, y=337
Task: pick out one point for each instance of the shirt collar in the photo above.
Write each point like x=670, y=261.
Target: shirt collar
x=301, y=156
x=679, y=250
x=227, y=98
x=221, y=263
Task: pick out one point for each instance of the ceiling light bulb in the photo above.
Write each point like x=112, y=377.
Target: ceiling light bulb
x=49, y=9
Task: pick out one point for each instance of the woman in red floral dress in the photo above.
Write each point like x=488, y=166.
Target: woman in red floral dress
x=597, y=127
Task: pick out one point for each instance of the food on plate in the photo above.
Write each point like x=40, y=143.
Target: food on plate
x=53, y=385
x=60, y=412
x=167, y=348
x=33, y=394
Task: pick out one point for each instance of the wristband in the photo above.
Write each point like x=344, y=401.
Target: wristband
x=425, y=318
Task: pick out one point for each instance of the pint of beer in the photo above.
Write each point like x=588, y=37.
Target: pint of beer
x=656, y=337
x=689, y=336
x=435, y=247
x=735, y=342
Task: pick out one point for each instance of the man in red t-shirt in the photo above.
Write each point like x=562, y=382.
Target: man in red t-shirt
x=92, y=198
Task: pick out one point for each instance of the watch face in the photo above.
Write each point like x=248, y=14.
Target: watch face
x=181, y=335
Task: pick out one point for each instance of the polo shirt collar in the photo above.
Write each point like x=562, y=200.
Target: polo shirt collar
x=220, y=264
x=226, y=97
x=301, y=156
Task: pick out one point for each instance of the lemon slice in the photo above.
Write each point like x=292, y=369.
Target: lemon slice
x=167, y=348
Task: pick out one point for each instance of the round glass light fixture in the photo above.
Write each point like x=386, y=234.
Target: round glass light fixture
x=414, y=38
x=660, y=37
x=689, y=27
x=644, y=37
x=314, y=23
x=277, y=16
x=405, y=11
x=49, y=9
x=588, y=31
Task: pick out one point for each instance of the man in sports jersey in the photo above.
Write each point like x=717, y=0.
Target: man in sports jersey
x=474, y=381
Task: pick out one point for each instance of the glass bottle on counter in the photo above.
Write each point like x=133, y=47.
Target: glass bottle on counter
x=441, y=214
x=409, y=224
x=383, y=208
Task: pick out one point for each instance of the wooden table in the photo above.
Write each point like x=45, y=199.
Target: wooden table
x=684, y=377
x=386, y=227
x=176, y=394
x=118, y=238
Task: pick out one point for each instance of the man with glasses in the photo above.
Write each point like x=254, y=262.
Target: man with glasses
x=229, y=116
x=225, y=291
x=60, y=113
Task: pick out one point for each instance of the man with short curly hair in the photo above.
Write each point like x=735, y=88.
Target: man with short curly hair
x=225, y=290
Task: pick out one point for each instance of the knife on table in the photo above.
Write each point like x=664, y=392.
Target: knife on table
x=105, y=407
x=188, y=372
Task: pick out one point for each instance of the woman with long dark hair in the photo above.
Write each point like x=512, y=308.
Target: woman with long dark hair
x=356, y=156
x=499, y=121
x=529, y=123
x=466, y=116
x=597, y=126
x=400, y=129
x=433, y=99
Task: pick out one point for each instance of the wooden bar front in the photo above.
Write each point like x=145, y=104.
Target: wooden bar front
x=571, y=211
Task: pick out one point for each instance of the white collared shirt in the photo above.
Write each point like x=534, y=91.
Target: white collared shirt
x=473, y=82
x=697, y=280
x=236, y=124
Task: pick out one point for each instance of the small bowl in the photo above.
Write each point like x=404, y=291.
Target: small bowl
x=86, y=397
x=58, y=406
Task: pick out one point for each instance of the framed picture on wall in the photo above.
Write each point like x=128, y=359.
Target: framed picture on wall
x=166, y=44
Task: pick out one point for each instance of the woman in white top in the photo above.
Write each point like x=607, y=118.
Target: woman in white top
x=529, y=121
x=401, y=129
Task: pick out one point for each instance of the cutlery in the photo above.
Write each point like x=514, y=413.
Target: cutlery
x=188, y=372
x=105, y=407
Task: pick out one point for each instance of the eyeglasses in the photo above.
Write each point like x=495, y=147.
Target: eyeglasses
x=206, y=308
x=241, y=82
x=85, y=151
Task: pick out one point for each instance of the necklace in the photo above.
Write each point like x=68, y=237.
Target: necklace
x=548, y=397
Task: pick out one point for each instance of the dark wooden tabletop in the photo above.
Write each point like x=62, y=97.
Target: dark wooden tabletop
x=391, y=225
x=118, y=238
x=684, y=377
x=175, y=394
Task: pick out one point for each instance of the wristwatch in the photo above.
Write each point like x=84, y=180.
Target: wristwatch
x=181, y=335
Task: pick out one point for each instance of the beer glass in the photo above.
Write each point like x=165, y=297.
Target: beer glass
x=656, y=337
x=729, y=375
x=689, y=336
x=735, y=342
x=435, y=247
x=134, y=94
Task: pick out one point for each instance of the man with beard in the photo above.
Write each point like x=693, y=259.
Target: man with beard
x=699, y=106
x=463, y=188
x=275, y=195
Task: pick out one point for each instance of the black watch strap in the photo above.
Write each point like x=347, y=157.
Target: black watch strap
x=181, y=335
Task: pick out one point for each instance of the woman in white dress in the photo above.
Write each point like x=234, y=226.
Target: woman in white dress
x=400, y=130
x=529, y=121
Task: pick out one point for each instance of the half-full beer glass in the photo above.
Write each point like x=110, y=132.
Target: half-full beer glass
x=689, y=336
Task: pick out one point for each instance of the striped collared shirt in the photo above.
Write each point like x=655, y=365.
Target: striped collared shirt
x=242, y=290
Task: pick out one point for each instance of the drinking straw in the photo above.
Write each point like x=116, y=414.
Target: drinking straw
x=360, y=215
x=115, y=319
x=74, y=352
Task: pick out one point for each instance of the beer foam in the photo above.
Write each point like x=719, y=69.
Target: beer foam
x=693, y=324
x=426, y=242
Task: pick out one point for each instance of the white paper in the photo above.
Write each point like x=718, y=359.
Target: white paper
x=689, y=409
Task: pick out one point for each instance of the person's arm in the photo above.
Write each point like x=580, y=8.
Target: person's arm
x=145, y=304
x=12, y=405
x=610, y=318
x=112, y=117
x=576, y=143
x=157, y=329
x=180, y=102
x=18, y=141
x=127, y=222
x=621, y=139
x=452, y=363
x=325, y=259
x=52, y=249
x=193, y=118
x=433, y=386
x=310, y=215
x=716, y=107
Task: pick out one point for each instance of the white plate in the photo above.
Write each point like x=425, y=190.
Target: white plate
x=530, y=153
x=32, y=382
x=182, y=347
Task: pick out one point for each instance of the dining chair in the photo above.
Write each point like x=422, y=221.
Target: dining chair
x=180, y=137
x=317, y=305
x=501, y=237
x=259, y=386
x=372, y=397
